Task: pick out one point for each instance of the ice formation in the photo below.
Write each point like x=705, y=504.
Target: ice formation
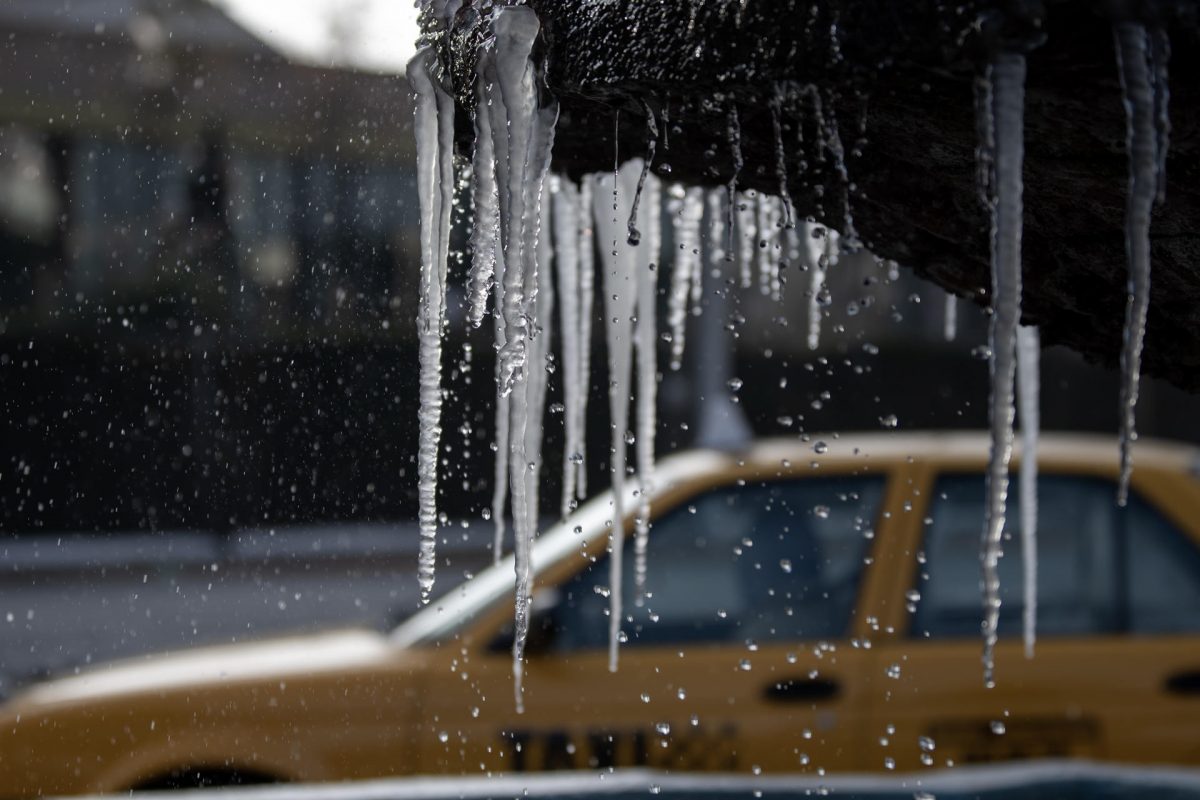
x=1029, y=350
x=820, y=252
x=434, y=128
x=566, y=261
x=1006, y=112
x=485, y=200
x=747, y=235
x=533, y=244
x=646, y=268
x=587, y=277
x=611, y=203
x=950, y=318
x=770, y=247
x=1142, y=60
x=686, y=209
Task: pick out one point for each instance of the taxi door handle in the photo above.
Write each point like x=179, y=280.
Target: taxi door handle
x=1187, y=682
x=799, y=690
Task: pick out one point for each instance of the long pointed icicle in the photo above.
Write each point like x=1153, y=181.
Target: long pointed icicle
x=587, y=277
x=566, y=247
x=484, y=233
x=1145, y=110
x=1007, y=73
x=950, y=318
x=686, y=212
x=770, y=225
x=747, y=236
x=537, y=377
x=821, y=253
x=611, y=202
x=434, y=128
x=648, y=258
x=1029, y=350
x=514, y=94
x=500, y=478
x=523, y=122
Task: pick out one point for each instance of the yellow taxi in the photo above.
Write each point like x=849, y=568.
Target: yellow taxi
x=811, y=606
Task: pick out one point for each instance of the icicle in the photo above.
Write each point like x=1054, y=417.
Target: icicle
x=620, y=294
x=1007, y=74
x=769, y=249
x=821, y=252
x=523, y=122
x=648, y=259
x=720, y=423
x=587, y=249
x=716, y=231
x=1144, y=90
x=484, y=233
x=734, y=131
x=500, y=477
x=514, y=100
x=434, y=128
x=747, y=232
x=950, y=320
x=566, y=247
x=1029, y=350
x=539, y=362
x=635, y=235
x=781, y=175
x=687, y=210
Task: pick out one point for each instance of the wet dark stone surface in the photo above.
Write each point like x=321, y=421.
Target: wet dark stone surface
x=899, y=78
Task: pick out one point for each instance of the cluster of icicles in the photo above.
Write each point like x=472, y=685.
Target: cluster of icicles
x=533, y=241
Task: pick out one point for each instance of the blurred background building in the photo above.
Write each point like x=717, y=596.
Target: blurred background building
x=208, y=259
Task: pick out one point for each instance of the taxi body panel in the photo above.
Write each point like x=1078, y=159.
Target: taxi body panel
x=437, y=695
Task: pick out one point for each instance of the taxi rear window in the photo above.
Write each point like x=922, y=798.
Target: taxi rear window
x=1102, y=569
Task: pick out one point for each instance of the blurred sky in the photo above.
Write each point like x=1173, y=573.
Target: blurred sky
x=377, y=35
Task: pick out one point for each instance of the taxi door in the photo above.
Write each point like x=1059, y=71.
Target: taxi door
x=744, y=655
x=1115, y=672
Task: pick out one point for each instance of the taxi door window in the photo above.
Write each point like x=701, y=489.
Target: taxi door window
x=1101, y=568
x=775, y=561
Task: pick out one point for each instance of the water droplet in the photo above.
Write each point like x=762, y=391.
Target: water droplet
x=663, y=728
x=893, y=671
x=998, y=727
x=444, y=737
x=820, y=447
x=821, y=511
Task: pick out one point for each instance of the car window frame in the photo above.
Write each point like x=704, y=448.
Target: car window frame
x=1170, y=494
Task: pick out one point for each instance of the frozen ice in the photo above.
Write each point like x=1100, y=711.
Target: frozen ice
x=950, y=318
x=566, y=258
x=1029, y=350
x=1007, y=112
x=687, y=211
x=484, y=234
x=1144, y=85
x=648, y=257
x=611, y=202
x=434, y=129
